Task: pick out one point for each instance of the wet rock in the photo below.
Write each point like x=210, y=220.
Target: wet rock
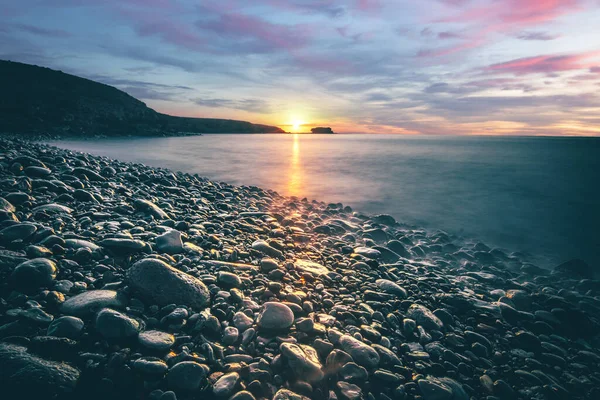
x=123, y=246
x=67, y=326
x=275, y=316
x=150, y=366
x=150, y=208
x=310, y=266
x=170, y=242
x=303, y=360
x=35, y=273
x=114, y=325
x=186, y=376
x=266, y=249
x=226, y=384
x=53, y=208
x=424, y=317
x=19, y=231
x=162, y=284
x=31, y=377
x=391, y=288
x=90, y=302
x=229, y=280
x=349, y=391
x=360, y=352
x=156, y=340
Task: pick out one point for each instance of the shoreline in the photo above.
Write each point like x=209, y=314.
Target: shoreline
x=356, y=305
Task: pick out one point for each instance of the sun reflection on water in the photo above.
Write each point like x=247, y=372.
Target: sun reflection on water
x=295, y=174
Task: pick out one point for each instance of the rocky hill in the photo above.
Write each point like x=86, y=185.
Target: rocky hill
x=36, y=100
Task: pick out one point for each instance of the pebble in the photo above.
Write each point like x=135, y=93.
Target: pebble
x=156, y=340
x=186, y=376
x=170, y=242
x=226, y=384
x=67, y=326
x=162, y=284
x=39, y=272
x=92, y=301
x=360, y=352
x=303, y=361
x=275, y=316
x=114, y=325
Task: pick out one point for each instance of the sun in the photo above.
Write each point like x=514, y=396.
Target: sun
x=296, y=125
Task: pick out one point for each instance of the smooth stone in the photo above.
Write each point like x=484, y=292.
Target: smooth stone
x=6, y=205
x=311, y=267
x=228, y=280
x=230, y=335
x=352, y=371
x=433, y=390
x=162, y=284
x=114, y=325
x=186, y=376
x=35, y=273
x=243, y=395
x=285, y=394
x=26, y=376
x=37, y=172
x=268, y=264
x=170, y=242
x=151, y=208
x=361, y=353
x=266, y=249
x=242, y=321
x=67, y=326
x=391, y=287
x=275, y=316
x=367, y=252
x=424, y=317
x=122, y=245
x=17, y=232
x=349, y=391
x=80, y=243
x=90, y=302
x=53, y=208
x=226, y=384
x=150, y=366
x=304, y=361
x=156, y=340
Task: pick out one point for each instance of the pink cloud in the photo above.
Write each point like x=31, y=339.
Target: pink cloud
x=517, y=12
x=502, y=16
x=368, y=5
x=547, y=64
x=265, y=33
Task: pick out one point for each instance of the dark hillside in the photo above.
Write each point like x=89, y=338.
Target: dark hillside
x=37, y=100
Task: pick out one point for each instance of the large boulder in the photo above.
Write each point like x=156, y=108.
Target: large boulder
x=25, y=376
x=158, y=282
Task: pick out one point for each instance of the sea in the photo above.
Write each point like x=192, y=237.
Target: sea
x=539, y=196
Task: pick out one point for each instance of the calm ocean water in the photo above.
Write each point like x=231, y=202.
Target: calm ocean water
x=535, y=195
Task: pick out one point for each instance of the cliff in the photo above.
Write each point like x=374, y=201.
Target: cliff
x=36, y=100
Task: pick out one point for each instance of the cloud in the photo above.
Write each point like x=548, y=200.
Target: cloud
x=514, y=13
x=251, y=105
x=253, y=34
x=547, y=64
x=36, y=30
x=536, y=35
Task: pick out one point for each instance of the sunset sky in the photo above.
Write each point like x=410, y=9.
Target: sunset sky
x=430, y=66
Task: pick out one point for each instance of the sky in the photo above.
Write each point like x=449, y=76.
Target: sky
x=455, y=67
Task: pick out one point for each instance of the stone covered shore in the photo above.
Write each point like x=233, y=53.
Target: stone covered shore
x=121, y=281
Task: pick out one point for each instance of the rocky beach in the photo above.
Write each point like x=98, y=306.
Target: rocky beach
x=123, y=281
